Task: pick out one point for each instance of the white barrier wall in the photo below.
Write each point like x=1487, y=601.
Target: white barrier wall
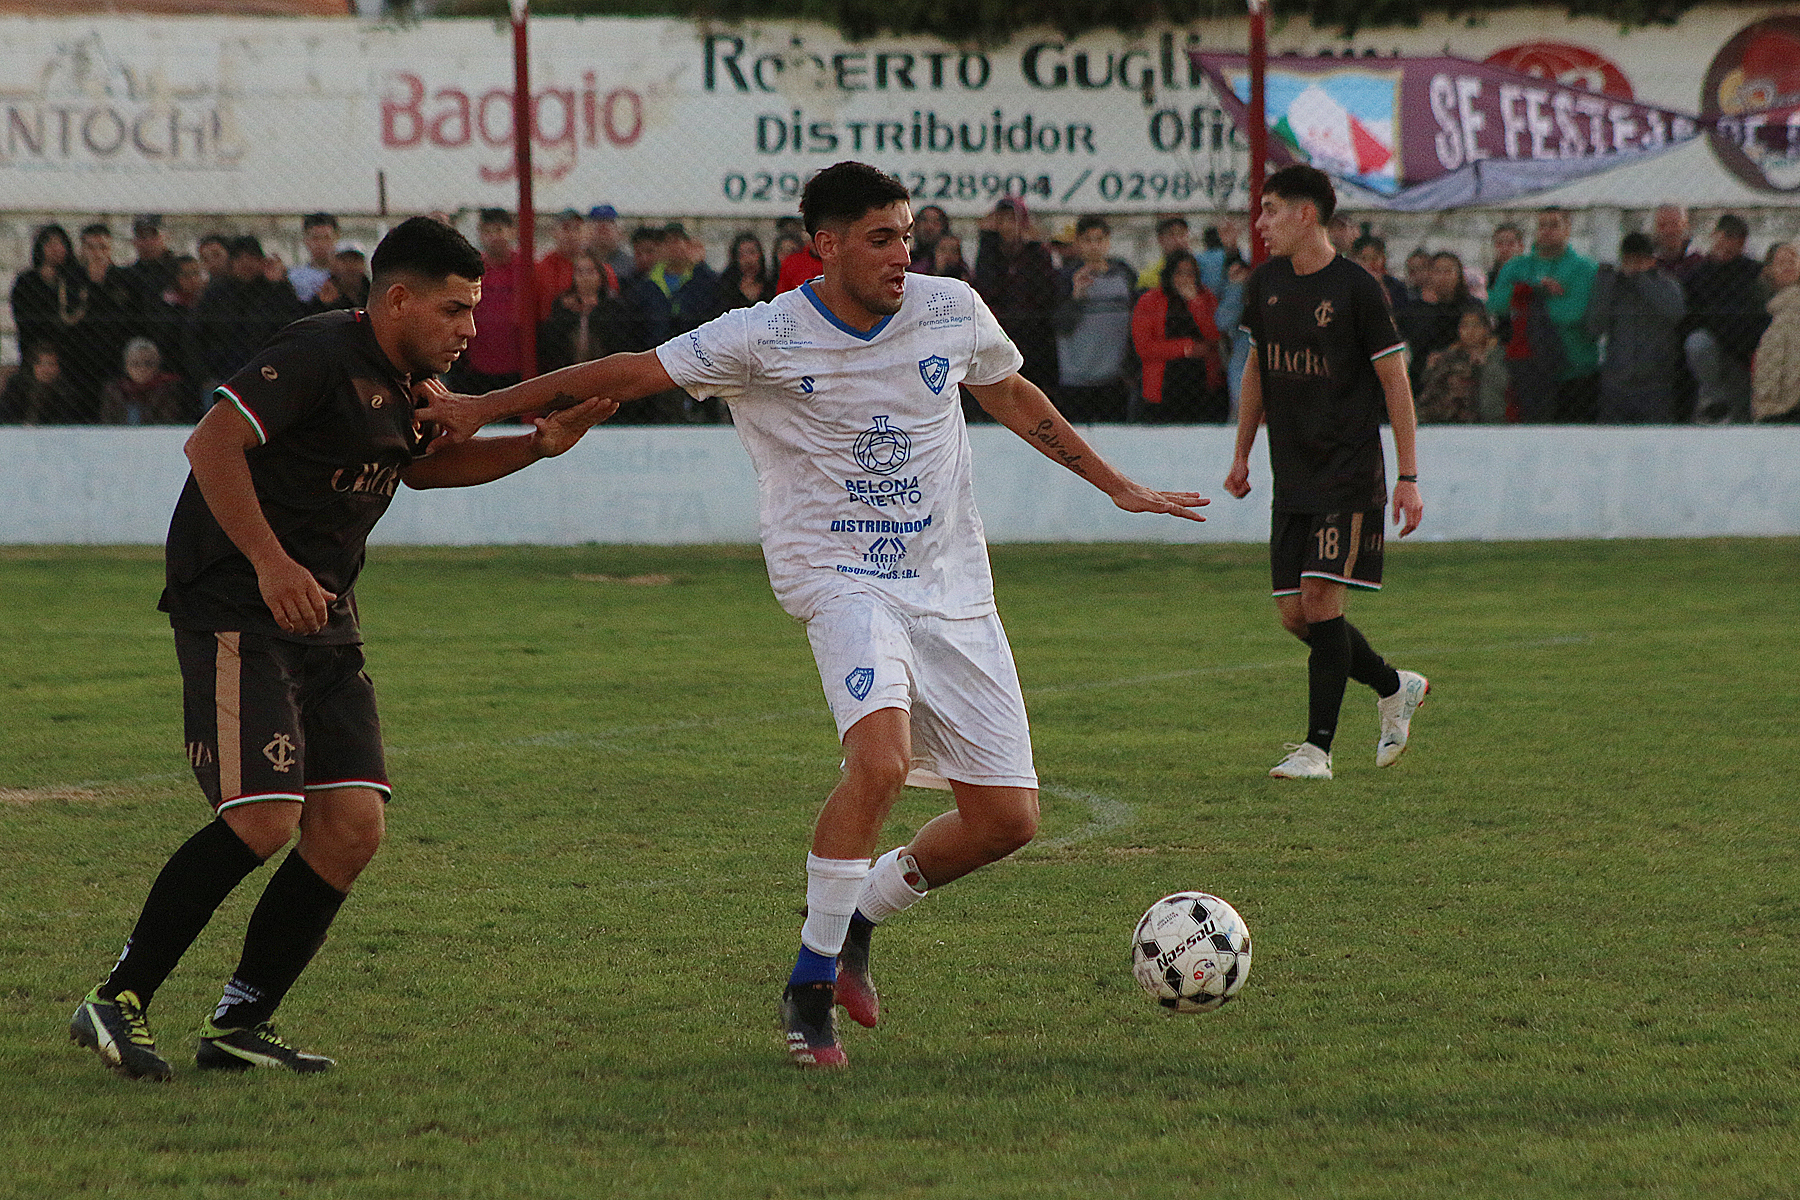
x=668, y=486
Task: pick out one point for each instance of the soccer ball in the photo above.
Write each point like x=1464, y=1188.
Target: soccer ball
x=1191, y=952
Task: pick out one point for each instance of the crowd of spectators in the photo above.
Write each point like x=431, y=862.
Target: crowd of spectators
x=1668, y=333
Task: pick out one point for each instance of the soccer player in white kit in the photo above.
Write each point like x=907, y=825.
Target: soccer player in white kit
x=844, y=392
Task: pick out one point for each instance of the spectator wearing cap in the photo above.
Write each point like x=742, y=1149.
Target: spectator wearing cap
x=492, y=359
x=608, y=244
x=318, y=237
x=1636, y=310
x=1725, y=320
x=1014, y=274
x=153, y=273
x=239, y=312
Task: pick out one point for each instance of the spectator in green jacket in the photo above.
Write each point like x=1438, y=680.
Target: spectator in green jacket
x=1562, y=281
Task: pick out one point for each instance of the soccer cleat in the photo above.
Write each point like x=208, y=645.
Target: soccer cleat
x=1305, y=761
x=1396, y=717
x=855, y=990
x=241, y=1049
x=809, y=1015
x=115, y=1030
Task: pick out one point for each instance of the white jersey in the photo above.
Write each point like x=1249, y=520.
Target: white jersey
x=862, y=458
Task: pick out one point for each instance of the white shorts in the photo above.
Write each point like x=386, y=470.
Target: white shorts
x=956, y=678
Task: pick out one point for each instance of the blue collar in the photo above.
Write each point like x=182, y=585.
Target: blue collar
x=807, y=291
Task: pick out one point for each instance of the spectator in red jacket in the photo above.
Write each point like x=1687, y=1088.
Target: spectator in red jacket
x=1177, y=340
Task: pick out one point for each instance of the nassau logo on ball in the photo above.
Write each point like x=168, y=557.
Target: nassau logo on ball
x=882, y=450
x=1191, y=952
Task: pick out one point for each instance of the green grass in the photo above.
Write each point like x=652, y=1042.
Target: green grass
x=1553, y=953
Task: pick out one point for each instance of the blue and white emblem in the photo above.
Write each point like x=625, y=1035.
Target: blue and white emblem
x=935, y=371
x=860, y=681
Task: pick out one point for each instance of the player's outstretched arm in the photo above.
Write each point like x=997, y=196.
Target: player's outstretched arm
x=484, y=460
x=617, y=377
x=1250, y=415
x=1409, y=507
x=1018, y=404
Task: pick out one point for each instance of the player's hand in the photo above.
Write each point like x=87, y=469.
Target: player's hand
x=1237, y=480
x=454, y=416
x=1552, y=287
x=1409, y=509
x=559, y=430
x=1137, y=498
x=299, y=604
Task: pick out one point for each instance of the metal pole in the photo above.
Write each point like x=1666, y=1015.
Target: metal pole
x=1259, y=123
x=526, y=262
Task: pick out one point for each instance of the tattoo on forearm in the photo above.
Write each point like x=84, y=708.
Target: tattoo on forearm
x=1046, y=434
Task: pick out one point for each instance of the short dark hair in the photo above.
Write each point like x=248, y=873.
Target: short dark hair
x=1366, y=241
x=646, y=233
x=1508, y=227
x=1301, y=182
x=1168, y=223
x=1636, y=243
x=844, y=191
x=1092, y=221
x=102, y=229
x=426, y=248
x=1731, y=225
x=218, y=238
x=495, y=216
x=244, y=245
x=314, y=220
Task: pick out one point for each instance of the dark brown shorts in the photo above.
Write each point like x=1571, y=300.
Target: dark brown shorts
x=268, y=719
x=1344, y=547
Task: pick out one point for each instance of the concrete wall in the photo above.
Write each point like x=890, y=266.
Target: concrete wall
x=667, y=486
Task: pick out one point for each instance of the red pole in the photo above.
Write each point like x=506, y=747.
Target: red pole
x=527, y=252
x=1259, y=123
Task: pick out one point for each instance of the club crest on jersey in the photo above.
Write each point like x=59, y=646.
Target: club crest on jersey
x=882, y=449
x=1324, y=313
x=860, y=681
x=935, y=371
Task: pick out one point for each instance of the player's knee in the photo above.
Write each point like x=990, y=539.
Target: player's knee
x=349, y=838
x=878, y=772
x=265, y=827
x=1296, y=624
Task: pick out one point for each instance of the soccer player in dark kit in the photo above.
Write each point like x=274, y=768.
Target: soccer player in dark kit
x=1326, y=364
x=296, y=461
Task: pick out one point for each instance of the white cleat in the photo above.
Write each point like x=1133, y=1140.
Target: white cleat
x=1396, y=717
x=1305, y=761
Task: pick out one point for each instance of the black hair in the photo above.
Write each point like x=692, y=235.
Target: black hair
x=426, y=248
x=102, y=229
x=1167, y=223
x=313, y=220
x=1366, y=241
x=1093, y=221
x=1731, y=225
x=495, y=216
x=1636, y=243
x=1171, y=260
x=845, y=191
x=244, y=245
x=646, y=233
x=1210, y=238
x=1301, y=182
x=42, y=238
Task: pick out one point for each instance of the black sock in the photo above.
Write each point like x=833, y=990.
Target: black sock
x=1370, y=668
x=189, y=889
x=1327, y=671
x=286, y=930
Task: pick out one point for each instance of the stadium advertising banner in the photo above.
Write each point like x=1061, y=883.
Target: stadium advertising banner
x=658, y=116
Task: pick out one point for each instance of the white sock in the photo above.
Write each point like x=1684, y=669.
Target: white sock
x=893, y=885
x=832, y=885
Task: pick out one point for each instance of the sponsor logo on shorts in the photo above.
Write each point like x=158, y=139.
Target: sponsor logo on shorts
x=860, y=681
x=935, y=371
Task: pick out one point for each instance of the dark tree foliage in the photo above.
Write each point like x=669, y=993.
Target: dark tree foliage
x=988, y=21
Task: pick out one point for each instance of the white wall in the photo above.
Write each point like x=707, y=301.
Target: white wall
x=666, y=486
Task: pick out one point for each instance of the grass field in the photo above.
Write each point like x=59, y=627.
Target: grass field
x=1555, y=952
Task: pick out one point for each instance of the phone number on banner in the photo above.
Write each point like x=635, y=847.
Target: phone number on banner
x=1084, y=188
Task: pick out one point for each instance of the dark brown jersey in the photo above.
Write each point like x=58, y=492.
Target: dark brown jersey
x=335, y=422
x=1316, y=338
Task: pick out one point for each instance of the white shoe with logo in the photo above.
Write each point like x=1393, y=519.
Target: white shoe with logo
x=1396, y=717
x=1305, y=761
